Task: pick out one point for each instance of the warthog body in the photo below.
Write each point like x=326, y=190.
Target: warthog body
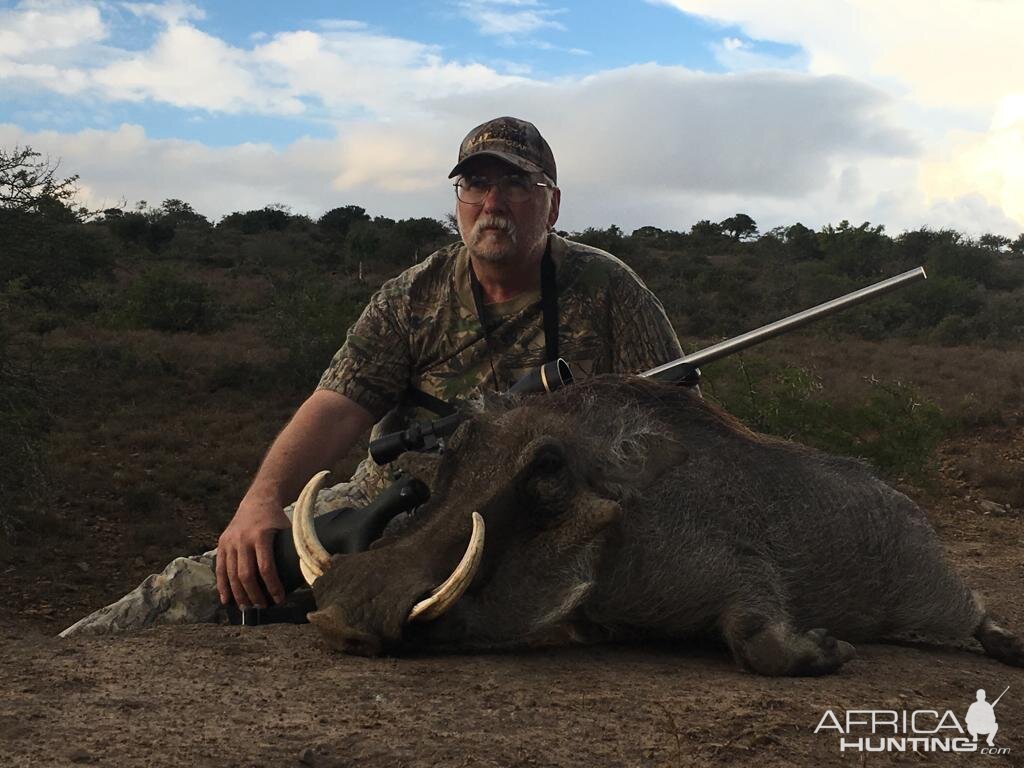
x=627, y=508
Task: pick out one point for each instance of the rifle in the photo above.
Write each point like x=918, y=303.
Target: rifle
x=427, y=435
x=1000, y=696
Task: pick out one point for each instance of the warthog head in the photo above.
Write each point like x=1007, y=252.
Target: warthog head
x=525, y=503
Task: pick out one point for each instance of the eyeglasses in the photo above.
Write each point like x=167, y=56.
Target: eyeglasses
x=515, y=188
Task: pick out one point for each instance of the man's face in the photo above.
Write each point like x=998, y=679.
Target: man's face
x=498, y=230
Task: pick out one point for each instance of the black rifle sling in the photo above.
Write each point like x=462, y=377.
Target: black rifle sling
x=549, y=310
x=426, y=400
x=549, y=305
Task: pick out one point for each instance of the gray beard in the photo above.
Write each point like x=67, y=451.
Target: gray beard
x=490, y=256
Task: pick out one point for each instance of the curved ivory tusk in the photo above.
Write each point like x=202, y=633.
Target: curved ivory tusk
x=443, y=597
x=313, y=558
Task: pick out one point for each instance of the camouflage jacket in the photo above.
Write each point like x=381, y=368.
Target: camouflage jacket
x=421, y=329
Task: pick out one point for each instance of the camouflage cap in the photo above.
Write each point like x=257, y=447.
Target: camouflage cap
x=515, y=141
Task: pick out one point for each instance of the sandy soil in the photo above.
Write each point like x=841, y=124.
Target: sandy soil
x=273, y=695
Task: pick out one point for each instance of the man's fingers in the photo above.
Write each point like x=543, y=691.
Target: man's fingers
x=237, y=590
x=268, y=568
x=248, y=576
x=223, y=585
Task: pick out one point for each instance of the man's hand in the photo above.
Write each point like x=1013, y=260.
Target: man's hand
x=245, y=554
x=322, y=430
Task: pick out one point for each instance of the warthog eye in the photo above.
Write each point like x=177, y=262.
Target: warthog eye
x=546, y=483
x=548, y=460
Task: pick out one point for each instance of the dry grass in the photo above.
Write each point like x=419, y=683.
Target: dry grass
x=974, y=385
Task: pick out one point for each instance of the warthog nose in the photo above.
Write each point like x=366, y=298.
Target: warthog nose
x=352, y=641
x=341, y=637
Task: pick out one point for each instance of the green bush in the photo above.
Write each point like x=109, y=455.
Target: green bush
x=162, y=300
x=23, y=422
x=894, y=427
x=611, y=240
x=309, y=318
x=48, y=253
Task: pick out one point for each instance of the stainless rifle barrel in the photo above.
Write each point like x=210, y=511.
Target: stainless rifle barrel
x=765, y=332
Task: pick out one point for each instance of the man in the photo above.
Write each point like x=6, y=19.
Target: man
x=981, y=718
x=472, y=317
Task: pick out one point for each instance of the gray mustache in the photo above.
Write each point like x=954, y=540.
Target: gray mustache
x=497, y=222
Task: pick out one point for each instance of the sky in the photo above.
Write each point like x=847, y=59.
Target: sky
x=659, y=112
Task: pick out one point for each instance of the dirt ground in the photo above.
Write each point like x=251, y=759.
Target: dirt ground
x=273, y=695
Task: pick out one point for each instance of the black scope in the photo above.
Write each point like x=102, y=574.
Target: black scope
x=423, y=435
x=348, y=530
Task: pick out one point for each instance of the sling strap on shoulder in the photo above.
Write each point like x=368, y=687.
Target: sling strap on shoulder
x=549, y=311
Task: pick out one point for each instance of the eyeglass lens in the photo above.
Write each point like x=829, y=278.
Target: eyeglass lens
x=515, y=188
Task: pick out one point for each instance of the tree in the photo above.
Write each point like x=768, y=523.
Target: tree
x=739, y=227
x=175, y=212
x=340, y=220
x=862, y=251
x=706, y=229
x=41, y=239
x=31, y=184
x=993, y=242
x=802, y=242
x=272, y=218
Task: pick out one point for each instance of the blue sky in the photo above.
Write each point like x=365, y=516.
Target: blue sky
x=578, y=41
x=660, y=111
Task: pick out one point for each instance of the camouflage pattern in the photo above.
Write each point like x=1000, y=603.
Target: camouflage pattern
x=514, y=141
x=421, y=329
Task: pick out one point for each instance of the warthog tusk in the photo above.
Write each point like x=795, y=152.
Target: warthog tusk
x=443, y=597
x=313, y=558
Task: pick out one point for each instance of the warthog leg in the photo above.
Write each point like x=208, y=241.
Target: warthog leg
x=1000, y=643
x=773, y=647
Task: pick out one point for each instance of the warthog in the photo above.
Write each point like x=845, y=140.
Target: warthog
x=627, y=508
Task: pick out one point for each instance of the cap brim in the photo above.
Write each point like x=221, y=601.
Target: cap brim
x=513, y=160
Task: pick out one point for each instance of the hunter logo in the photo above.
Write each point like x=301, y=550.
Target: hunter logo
x=502, y=133
x=919, y=730
x=515, y=141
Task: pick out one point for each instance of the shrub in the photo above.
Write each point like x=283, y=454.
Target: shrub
x=309, y=318
x=894, y=427
x=611, y=240
x=23, y=422
x=54, y=254
x=162, y=300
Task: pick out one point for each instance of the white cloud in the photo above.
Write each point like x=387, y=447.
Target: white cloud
x=188, y=68
x=492, y=18
x=959, y=52
x=351, y=72
x=992, y=161
x=667, y=128
x=342, y=69
x=738, y=55
x=169, y=13
x=642, y=145
x=36, y=28
x=349, y=25
x=958, y=61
